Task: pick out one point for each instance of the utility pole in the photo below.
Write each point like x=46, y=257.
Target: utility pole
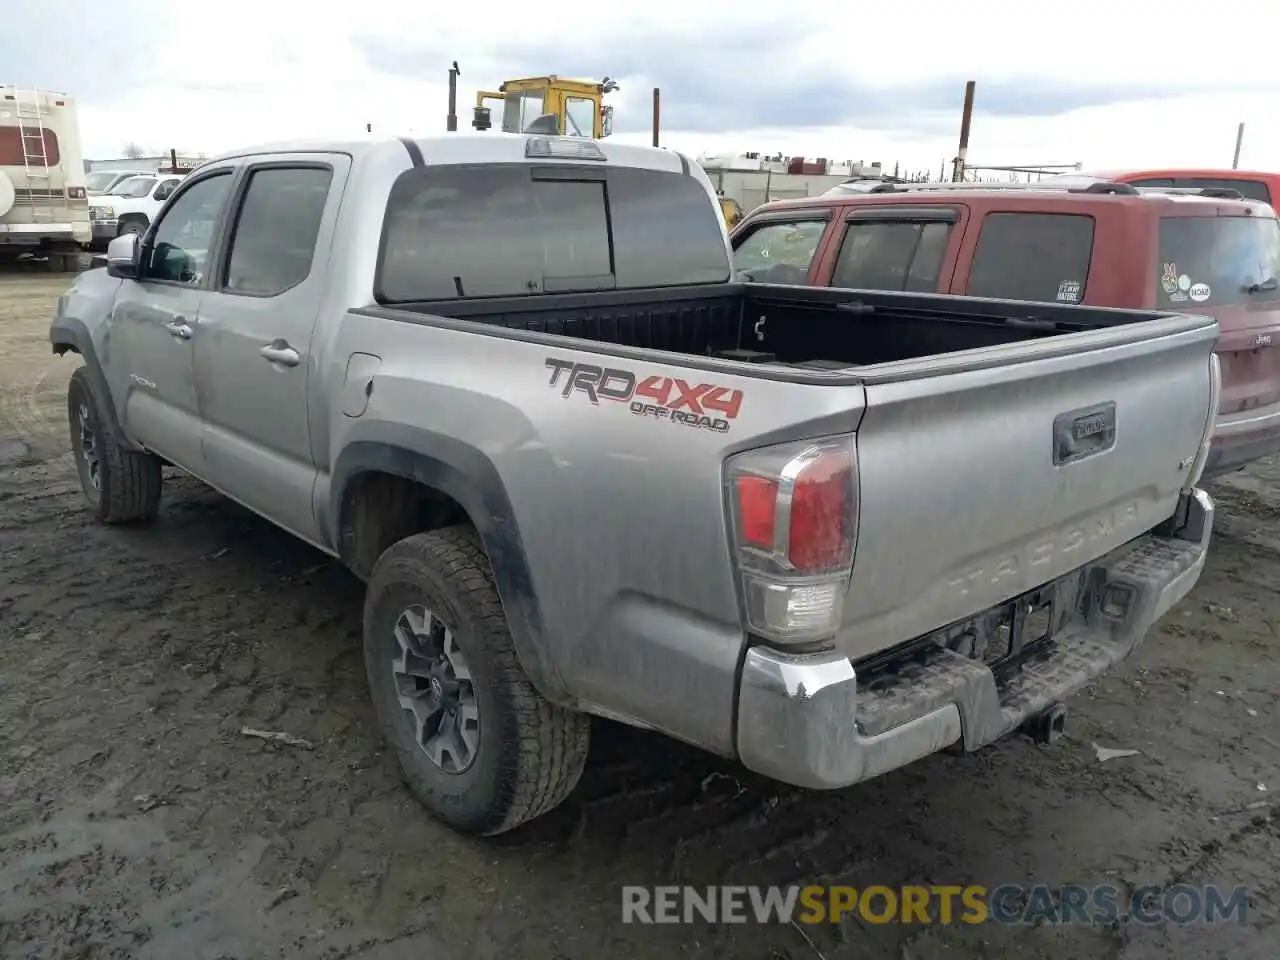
x=451, y=122
x=966, y=119
x=1235, y=161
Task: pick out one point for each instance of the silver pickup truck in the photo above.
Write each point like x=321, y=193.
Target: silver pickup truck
x=510, y=383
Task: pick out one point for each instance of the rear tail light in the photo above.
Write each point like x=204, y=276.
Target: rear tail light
x=1206, y=439
x=794, y=514
x=75, y=193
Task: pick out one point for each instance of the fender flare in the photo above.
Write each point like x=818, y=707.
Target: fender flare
x=70, y=333
x=468, y=476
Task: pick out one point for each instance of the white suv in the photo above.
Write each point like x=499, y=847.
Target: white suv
x=130, y=206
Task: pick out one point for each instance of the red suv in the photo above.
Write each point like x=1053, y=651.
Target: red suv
x=1102, y=243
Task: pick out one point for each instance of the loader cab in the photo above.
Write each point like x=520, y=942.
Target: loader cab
x=577, y=106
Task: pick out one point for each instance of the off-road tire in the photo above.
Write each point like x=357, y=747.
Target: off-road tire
x=531, y=752
x=129, y=482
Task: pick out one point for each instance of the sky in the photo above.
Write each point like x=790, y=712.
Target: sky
x=1108, y=85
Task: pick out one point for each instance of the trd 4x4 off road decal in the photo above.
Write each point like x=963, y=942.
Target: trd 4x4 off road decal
x=704, y=406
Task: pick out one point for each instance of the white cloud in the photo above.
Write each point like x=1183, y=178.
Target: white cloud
x=243, y=72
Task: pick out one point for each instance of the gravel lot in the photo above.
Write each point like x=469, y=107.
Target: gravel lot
x=137, y=821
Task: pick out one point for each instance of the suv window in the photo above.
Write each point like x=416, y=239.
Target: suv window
x=1249, y=189
x=176, y=251
x=496, y=231
x=778, y=252
x=880, y=255
x=1216, y=261
x=274, y=239
x=1032, y=256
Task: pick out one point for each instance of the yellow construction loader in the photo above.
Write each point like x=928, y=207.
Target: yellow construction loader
x=577, y=105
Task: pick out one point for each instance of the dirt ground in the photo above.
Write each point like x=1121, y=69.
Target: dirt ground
x=137, y=821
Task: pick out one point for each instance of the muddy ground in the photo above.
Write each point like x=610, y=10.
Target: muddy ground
x=137, y=821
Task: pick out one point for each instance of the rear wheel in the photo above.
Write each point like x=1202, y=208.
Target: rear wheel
x=476, y=743
x=121, y=485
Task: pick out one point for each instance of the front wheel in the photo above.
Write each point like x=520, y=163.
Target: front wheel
x=134, y=225
x=121, y=485
x=476, y=743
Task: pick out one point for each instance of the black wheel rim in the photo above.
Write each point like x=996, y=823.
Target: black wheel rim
x=87, y=449
x=434, y=686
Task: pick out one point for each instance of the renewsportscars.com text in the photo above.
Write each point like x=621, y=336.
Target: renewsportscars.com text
x=972, y=904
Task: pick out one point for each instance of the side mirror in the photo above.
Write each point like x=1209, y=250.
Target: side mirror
x=162, y=193
x=122, y=257
x=606, y=122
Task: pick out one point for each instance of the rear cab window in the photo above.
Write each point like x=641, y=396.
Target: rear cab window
x=778, y=251
x=1033, y=256
x=1218, y=261
x=1247, y=188
x=501, y=230
x=884, y=254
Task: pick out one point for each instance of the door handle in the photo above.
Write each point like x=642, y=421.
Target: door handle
x=279, y=351
x=177, y=327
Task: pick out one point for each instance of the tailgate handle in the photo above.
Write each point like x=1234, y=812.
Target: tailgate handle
x=1081, y=433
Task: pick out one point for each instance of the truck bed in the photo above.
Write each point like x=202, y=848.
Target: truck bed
x=803, y=326
x=1000, y=444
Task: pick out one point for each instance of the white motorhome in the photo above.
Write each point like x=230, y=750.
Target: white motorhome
x=44, y=210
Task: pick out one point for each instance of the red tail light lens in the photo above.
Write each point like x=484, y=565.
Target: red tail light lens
x=757, y=502
x=793, y=518
x=820, y=514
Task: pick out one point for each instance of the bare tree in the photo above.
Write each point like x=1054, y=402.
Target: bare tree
x=133, y=151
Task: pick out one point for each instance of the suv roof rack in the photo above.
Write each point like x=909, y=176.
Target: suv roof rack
x=1217, y=193
x=1097, y=186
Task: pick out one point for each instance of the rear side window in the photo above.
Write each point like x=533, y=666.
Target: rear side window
x=13, y=155
x=778, y=252
x=1218, y=261
x=891, y=256
x=1033, y=256
x=275, y=235
x=512, y=229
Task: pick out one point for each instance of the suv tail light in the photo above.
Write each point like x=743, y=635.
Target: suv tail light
x=793, y=516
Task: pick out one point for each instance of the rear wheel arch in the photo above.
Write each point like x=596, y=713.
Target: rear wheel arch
x=410, y=481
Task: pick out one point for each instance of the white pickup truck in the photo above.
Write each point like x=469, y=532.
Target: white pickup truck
x=130, y=206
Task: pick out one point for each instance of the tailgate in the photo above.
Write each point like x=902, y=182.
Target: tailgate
x=986, y=473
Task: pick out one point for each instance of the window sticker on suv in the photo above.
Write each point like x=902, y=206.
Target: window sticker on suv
x=1218, y=261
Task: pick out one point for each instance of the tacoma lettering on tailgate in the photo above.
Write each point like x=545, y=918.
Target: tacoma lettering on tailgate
x=703, y=406
x=1013, y=568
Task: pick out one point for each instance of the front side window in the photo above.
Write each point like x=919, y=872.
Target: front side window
x=878, y=255
x=778, y=252
x=1032, y=256
x=274, y=239
x=508, y=230
x=1218, y=261
x=178, y=248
